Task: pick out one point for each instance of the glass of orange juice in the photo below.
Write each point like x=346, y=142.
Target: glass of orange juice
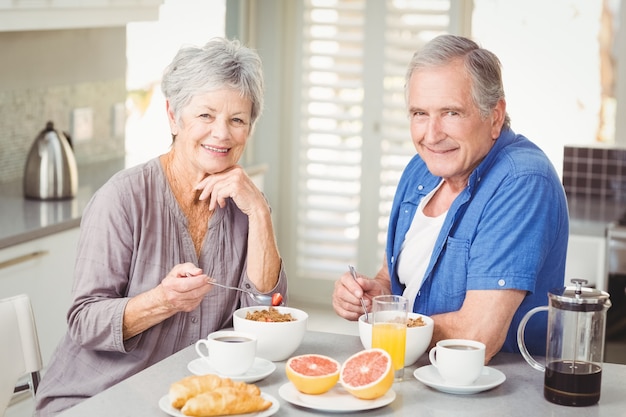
x=389, y=328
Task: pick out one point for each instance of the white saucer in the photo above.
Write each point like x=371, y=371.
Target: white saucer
x=259, y=370
x=490, y=378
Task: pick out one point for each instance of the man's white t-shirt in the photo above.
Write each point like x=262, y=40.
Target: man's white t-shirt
x=417, y=248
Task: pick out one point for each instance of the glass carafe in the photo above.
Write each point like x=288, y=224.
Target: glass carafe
x=574, y=346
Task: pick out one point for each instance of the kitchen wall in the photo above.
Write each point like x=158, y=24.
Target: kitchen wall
x=47, y=74
x=595, y=173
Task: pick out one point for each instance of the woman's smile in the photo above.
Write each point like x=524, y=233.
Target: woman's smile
x=214, y=149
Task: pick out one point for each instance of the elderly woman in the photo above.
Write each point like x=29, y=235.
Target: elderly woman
x=155, y=235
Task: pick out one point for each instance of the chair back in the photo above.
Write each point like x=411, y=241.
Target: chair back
x=19, y=350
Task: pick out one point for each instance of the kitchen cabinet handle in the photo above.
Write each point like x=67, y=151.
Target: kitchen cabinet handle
x=23, y=258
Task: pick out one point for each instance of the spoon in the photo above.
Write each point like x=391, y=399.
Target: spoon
x=353, y=272
x=262, y=299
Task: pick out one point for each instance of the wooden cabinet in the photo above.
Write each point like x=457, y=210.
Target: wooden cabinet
x=42, y=268
x=586, y=259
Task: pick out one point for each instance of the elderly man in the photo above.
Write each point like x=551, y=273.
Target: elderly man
x=479, y=225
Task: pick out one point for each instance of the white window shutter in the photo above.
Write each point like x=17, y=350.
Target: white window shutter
x=354, y=137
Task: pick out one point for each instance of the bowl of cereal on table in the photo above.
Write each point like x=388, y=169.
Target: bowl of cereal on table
x=419, y=333
x=279, y=330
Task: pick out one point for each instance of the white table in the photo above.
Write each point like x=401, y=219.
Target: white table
x=520, y=395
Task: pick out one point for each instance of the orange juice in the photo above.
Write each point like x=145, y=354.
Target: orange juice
x=392, y=338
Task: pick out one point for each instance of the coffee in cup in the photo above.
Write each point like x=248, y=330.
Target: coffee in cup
x=229, y=353
x=459, y=361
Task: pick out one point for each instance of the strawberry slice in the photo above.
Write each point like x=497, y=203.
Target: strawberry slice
x=277, y=299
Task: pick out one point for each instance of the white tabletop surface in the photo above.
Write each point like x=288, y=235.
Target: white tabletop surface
x=520, y=395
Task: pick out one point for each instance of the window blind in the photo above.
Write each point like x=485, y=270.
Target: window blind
x=354, y=136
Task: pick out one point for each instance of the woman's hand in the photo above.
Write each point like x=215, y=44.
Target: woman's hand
x=263, y=262
x=236, y=184
x=182, y=289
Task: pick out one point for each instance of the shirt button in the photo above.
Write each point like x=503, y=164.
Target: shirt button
x=420, y=187
x=194, y=319
x=501, y=282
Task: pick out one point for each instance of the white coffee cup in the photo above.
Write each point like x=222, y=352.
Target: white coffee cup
x=459, y=361
x=228, y=352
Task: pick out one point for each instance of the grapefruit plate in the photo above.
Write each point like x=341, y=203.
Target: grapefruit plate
x=337, y=400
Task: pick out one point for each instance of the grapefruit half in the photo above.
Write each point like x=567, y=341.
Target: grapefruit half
x=367, y=374
x=312, y=374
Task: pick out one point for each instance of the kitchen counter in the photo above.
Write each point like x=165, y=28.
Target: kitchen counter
x=24, y=219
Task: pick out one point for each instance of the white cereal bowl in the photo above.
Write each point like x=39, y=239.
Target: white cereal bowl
x=417, y=338
x=276, y=341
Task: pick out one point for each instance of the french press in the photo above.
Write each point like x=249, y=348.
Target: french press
x=575, y=344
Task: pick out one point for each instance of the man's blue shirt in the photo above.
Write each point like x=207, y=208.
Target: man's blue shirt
x=508, y=229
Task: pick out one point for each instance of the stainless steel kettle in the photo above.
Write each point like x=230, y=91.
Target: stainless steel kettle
x=50, y=172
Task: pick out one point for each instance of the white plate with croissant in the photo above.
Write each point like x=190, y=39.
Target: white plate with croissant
x=211, y=395
x=165, y=405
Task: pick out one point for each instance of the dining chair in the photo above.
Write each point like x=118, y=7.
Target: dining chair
x=20, y=355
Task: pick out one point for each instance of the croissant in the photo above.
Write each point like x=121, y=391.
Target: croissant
x=224, y=401
x=189, y=387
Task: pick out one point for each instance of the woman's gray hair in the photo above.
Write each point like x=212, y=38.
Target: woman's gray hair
x=483, y=67
x=219, y=64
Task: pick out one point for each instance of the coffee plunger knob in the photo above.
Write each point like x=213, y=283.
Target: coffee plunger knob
x=579, y=285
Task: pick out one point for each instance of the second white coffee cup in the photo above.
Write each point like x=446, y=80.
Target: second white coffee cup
x=459, y=361
x=228, y=352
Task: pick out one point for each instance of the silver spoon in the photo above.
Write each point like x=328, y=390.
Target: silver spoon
x=353, y=272
x=262, y=299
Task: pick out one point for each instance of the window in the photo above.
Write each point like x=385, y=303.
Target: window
x=352, y=129
x=560, y=77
